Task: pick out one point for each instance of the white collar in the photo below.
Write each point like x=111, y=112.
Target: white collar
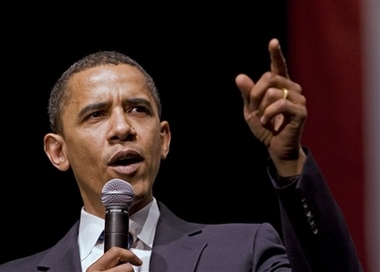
x=142, y=224
x=90, y=228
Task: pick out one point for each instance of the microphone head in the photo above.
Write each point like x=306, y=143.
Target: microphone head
x=117, y=192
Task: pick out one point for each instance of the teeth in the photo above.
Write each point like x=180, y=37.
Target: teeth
x=128, y=157
x=125, y=158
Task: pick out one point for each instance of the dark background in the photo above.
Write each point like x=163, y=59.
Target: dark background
x=215, y=171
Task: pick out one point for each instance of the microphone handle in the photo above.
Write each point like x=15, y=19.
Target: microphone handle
x=116, y=227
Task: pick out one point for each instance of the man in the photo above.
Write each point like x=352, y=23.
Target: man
x=105, y=117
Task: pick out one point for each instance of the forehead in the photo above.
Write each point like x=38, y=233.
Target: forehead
x=108, y=80
x=122, y=73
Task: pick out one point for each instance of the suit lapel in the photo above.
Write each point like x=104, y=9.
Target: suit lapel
x=175, y=249
x=64, y=256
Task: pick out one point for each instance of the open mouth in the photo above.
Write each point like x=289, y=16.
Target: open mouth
x=126, y=158
x=127, y=161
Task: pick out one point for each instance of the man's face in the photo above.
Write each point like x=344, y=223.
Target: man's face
x=112, y=130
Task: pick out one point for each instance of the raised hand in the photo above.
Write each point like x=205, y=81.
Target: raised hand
x=275, y=110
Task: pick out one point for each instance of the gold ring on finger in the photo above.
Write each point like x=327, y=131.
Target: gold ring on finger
x=286, y=93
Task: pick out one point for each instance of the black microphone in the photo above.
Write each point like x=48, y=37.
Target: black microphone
x=117, y=197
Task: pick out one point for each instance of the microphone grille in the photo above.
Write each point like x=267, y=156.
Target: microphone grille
x=117, y=192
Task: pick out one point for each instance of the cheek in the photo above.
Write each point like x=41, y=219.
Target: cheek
x=156, y=142
x=83, y=150
x=151, y=140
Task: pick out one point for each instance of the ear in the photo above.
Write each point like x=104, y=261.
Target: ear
x=165, y=139
x=54, y=148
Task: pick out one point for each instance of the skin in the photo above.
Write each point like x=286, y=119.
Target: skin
x=102, y=121
x=278, y=123
x=110, y=114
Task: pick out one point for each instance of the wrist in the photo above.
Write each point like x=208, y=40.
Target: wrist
x=290, y=167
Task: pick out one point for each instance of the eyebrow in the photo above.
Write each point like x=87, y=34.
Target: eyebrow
x=102, y=105
x=138, y=101
x=92, y=108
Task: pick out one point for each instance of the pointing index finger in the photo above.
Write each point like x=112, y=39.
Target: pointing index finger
x=278, y=62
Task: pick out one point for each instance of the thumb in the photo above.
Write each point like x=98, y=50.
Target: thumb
x=245, y=85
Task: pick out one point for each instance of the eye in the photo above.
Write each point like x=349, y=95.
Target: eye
x=96, y=114
x=139, y=110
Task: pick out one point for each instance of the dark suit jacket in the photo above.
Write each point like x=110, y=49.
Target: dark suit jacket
x=322, y=243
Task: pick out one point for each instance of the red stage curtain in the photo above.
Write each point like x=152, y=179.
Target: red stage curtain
x=324, y=57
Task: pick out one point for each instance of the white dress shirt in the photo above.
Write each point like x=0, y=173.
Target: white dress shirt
x=142, y=225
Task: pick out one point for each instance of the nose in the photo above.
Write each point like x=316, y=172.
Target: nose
x=121, y=128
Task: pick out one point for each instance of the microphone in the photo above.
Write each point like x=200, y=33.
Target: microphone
x=117, y=197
